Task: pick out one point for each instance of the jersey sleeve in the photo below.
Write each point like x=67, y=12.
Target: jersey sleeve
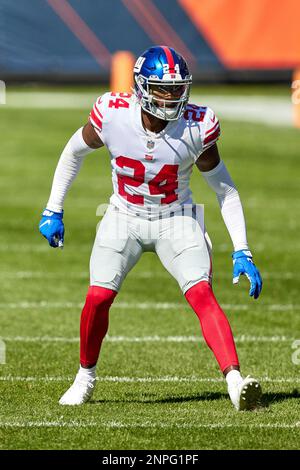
x=98, y=115
x=211, y=130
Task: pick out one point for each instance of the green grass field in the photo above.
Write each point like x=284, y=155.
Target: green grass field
x=159, y=386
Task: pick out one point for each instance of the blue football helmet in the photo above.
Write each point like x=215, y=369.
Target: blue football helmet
x=161, y=68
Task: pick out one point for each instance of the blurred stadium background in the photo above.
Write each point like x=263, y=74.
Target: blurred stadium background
x=221, y=39
x=160, y=387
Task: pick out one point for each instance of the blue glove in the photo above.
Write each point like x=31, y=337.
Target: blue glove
x=52, y=227
x=243, y=264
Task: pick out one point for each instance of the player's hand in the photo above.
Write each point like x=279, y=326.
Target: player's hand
x=243, y=264
x=52, y=227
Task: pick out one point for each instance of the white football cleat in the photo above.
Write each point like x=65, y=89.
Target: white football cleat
x=246, y=395
x=80, y=392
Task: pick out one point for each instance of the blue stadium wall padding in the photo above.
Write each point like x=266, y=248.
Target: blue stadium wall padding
x=35, y=41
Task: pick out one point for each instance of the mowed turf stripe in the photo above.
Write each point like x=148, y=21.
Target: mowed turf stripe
x=167, y=379
x=142, y=275
x=145, y=424
x=25, y=305
x=146, y=339
x=221, y=248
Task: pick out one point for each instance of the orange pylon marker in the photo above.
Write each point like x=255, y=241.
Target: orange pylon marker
x=121, y=78
x=296, y=98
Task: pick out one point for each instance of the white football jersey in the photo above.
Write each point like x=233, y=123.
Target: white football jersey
x=151, y=172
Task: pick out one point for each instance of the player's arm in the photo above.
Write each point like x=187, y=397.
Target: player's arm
x=91, y=137
x=216, y=175
x=84, y=141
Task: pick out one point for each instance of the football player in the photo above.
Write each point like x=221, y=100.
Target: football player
x=155, y=137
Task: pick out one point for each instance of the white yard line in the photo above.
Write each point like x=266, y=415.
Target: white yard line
x=166, y=379
x=50, y=99
x=34, y=248
x=142, y=424
x=257, y=109
x=45, y=304
x=147, y=339
x=253, y=108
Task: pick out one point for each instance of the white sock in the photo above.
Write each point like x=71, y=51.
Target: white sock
x=87, y=373
x=233, y=378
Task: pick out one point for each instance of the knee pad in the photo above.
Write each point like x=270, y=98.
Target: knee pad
x=192, y=267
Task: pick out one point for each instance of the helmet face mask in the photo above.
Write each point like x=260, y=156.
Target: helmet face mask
x=162, y=83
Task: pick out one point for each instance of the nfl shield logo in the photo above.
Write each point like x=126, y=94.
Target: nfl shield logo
x=150, y=144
